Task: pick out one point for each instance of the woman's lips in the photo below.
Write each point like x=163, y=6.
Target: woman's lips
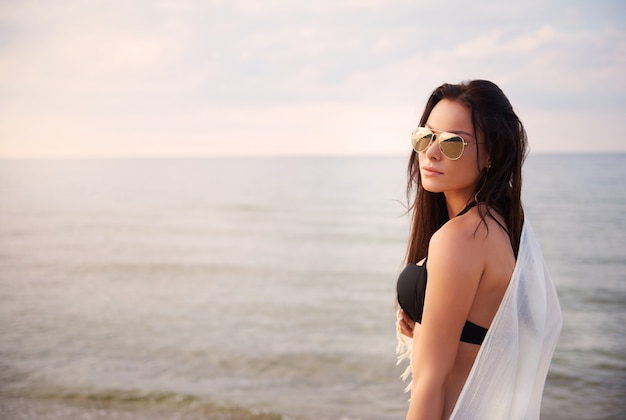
x=430, y=171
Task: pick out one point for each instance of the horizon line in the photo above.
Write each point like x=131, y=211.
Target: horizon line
x=273, y=156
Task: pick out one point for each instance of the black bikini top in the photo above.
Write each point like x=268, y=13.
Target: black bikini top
x=411, y=289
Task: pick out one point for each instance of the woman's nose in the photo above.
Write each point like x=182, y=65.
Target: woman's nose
x=432, y=151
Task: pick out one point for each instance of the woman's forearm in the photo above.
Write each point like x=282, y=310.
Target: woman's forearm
x=427, y=399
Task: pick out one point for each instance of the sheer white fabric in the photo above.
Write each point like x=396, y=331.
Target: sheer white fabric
x=509, y=373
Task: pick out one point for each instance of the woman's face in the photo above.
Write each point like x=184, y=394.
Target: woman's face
x=452, y=177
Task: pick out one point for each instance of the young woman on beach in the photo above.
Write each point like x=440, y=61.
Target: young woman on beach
x=478, y=315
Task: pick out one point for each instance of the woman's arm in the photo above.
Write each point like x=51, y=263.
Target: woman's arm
x=455, y=266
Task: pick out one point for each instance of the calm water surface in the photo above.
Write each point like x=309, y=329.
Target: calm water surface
x=269, y=282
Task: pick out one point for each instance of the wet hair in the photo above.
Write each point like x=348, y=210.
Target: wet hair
x=498, y=188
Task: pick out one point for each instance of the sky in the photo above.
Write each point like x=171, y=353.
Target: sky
x=139, y=78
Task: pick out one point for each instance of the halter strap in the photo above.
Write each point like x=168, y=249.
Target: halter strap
x=473, y=204
x=466, y=209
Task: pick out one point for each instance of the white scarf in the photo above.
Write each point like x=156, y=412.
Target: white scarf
x=508, y=375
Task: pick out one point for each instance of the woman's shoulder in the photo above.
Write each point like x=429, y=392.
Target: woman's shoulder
x=469, y=234
x=470, y=241
x=467, y=227
x=472, y=225
x=456, y=256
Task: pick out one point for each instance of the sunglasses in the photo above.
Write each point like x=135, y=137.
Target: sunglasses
x=451, y=145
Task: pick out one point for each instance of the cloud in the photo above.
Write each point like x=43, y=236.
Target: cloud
x=203, y=69
x=493, y=44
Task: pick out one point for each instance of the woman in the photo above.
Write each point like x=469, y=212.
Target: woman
x=481, y=335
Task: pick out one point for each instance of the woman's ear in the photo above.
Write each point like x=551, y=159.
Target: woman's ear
x=485, y=161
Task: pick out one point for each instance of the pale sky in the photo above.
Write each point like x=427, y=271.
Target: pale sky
x=112, y=78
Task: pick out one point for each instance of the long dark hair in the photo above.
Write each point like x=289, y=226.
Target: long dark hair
x=499, y=187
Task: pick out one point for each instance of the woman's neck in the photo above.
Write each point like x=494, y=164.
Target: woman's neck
x=456, y=204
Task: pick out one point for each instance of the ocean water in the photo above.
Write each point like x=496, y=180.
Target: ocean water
x=268, y=283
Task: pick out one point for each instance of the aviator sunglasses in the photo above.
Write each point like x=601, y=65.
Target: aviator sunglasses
x=451, y=145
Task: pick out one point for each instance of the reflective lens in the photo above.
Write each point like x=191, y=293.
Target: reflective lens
x=450, y=144
x=421, y=138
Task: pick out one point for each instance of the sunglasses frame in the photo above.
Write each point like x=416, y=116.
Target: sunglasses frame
x=440, y=137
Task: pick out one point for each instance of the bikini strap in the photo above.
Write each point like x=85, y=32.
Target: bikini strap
x=466, y=209
x=473, y=204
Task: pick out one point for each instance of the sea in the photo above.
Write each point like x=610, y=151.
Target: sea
x=267, y=283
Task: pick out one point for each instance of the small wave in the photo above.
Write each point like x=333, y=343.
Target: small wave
x=149, y=404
